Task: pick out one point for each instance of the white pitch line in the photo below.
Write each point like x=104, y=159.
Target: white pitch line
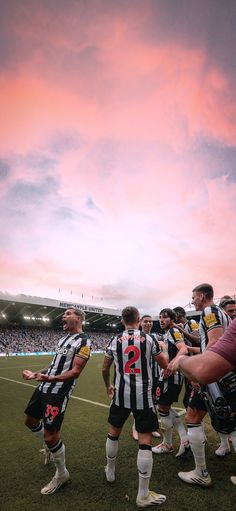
x=73, y=397
x=181, y=411
x=19, y=367
x=19, y=382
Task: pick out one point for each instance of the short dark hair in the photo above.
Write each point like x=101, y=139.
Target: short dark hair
x=179, y=310
x=130, y=314
x=146, y=316
x=226, y=301
x=169, y=313
x=206, y=289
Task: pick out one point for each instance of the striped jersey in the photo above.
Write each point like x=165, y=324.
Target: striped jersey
x=155, y=366
x=212, y=317
x=191, y=327
x=69, y=346
x=171, y=338
x=132, y=352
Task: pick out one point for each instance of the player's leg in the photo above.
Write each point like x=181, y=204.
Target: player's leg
x=111, y=452
x=224, y=447
x=145, y=420
x=116, y=419
x=233, y=440
x=166, y=428
x=178, y=425
x=155, y=395
x=33, y=421
x=134, y=432
x=196, y=437
x=54, y=407
x=177, y=422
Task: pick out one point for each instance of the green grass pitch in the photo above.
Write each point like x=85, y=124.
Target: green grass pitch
x=22, y=473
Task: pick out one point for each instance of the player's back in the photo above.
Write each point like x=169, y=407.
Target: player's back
x=132, y=352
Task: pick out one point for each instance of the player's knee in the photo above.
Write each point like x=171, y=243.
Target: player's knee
x=51, y=437
x=30, y=422
x=192, y=416
x=195, y=415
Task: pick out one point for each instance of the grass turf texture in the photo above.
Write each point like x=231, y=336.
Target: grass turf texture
x=22, y=473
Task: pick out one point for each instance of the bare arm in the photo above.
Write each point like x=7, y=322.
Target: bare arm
x=182, y=350
x=213, y=336
x=193, y=349
x=77, y=367
x=29, y=375
x=162, y=359
x=106, y=376
x=205, y=368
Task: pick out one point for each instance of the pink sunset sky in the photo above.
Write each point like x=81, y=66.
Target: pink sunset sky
x=118, y=149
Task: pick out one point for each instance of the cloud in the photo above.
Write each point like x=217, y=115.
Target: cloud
x=4, y=169
x=118, y=149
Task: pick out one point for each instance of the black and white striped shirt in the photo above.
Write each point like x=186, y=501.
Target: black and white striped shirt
x=68, y=347
x=212, y=317
x=171, y=338
x=132, y=352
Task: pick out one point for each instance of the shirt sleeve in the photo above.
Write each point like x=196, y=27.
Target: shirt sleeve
x=156, y=350
x=226, y=345
x=211, y=318
x=193, y=326
x=84, y=349
x=177, y=336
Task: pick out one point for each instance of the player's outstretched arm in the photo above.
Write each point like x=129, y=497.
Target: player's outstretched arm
x=77, y=367
x=204, y=368
x=28, y=375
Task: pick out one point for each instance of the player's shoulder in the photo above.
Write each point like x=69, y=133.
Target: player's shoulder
x=176, y=335
x=211, y=308
x=212, y=315
x=193, y=324
x=81, y=338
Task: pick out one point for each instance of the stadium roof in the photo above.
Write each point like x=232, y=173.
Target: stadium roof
x=32, y=310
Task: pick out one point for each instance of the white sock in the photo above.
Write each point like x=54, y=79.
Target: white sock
x=203, y=430
x=144, y=464
x=233, y=439
x=166, y=427
x=224, y=440
x=197, y=443
x=38, y=431
x=111, y=452
x=178, y=425
x=58, y=456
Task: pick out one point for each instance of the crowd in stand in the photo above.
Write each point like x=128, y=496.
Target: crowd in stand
x=37, y=339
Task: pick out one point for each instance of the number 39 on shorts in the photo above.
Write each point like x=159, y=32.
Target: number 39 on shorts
x=130, y=364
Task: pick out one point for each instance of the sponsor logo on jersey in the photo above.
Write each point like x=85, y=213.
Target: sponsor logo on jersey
x=61, y=351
